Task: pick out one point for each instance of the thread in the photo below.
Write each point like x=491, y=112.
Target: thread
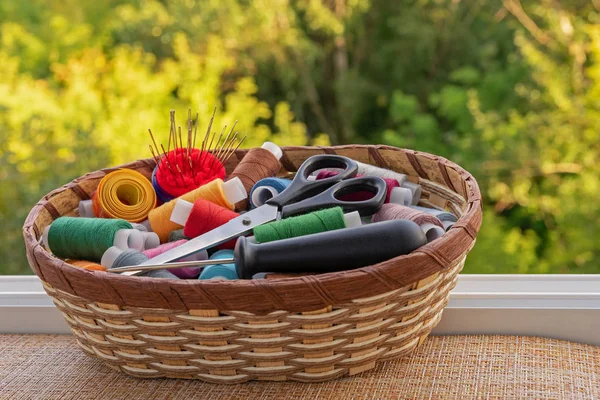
x=183, y=272
x=88, y=265
x=447, y=218
x=177, y=235
x=371, y=170
x=160, y=193
x=131, y=257
x=124, y=194
x=83, y=238
x=220, y=271
x=206, y=216
x=319, y=221
x=390, y=184
x=160, y=217
x=397, y=211
x=257, y=164
x=265, y=189
x=176, y=184
x=431, y=226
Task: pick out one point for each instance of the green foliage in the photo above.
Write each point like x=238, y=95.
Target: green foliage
x=509, y=90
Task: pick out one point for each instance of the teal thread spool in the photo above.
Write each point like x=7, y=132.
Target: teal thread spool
x=266, y=189
x=223, y=271
x=83, y=238
x=315, y=222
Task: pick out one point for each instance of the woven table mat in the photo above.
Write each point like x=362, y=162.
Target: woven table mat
x=452, y=367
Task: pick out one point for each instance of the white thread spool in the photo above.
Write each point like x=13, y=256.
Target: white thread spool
x=416, y=190
x=85, y=209
x=401, y=195
x=233, y=190
x=371, y=170
x=273, y=149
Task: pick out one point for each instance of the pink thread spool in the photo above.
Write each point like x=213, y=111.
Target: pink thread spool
x=431, y=226
x=183, y=272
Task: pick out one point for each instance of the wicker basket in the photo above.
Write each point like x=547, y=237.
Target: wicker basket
x=307, y=328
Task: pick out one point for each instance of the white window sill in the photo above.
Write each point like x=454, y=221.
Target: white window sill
x=556, y=306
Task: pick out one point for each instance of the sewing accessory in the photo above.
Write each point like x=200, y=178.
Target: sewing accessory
x=84, y=264
x=188, y=168
x=220, y=271
x=393, y=188
x=183, y=273
x=258, y=163
x=266, y=189
x=328, y=219
x=224, y=194
x=85, y=209
x=89, y=238
x=447, y=218
x=117, y=258
x=416, y=190
x=124, y=194
x=202, y=217
x=302, y=196
x=330, y=251
x=431, y=226
x=371, y=170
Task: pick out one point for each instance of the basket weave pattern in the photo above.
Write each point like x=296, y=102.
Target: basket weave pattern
x=306, y=328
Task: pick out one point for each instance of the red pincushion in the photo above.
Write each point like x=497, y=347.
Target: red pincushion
x=206, y=168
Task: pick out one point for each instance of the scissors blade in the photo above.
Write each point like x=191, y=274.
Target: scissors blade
x=232, y=229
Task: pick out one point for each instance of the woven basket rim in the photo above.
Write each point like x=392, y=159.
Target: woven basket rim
x=269, y=295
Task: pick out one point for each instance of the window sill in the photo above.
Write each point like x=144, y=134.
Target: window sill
x=557, y=306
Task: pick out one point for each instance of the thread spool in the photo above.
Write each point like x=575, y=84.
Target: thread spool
x=89, y=238
x=183, y=272
x=160, y=193
x=174, y=184
x=202, y=217
x=87, y=265
x=258, y=163
x=431, y=226
x=447, y=218
x=177, y=235
x=151, y=240
x=86, y=209
x=392, y=188
x=266, y=189
x=124, y=194
x=319, y=221
x=224, y=194
x=371, y=170
x=114, y=257
x=416, y=190
x=220, y=271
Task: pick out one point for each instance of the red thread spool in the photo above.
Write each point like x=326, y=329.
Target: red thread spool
x=389, y=183
x=206, y=216
x=205, y=168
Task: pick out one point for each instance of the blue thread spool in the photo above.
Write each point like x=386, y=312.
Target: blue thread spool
x=160, y=193
x=222, y=271
x=265, y=189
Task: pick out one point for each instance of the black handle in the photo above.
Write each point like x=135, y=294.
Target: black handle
x=331, y=198
x=301, y=188
x=331, y=251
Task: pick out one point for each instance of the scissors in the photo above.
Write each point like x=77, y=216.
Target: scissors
x=300, y=197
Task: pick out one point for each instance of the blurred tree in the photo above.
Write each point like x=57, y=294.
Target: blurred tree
x=509, y=90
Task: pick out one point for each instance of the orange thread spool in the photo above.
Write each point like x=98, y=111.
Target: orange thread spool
x=84, y=264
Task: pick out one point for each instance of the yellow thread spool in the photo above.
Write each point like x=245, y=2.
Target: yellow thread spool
x=124, y=194
x=160, y=217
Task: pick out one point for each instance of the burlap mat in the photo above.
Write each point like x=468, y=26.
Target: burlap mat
x=461, y=367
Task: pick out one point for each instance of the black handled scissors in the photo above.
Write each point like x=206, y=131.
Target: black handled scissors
x=302, y=196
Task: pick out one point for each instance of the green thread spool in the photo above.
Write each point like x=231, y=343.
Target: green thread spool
x=315, y=222
x=83, y=238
